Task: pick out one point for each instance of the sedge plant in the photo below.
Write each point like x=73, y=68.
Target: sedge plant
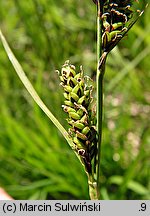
x=85, y=113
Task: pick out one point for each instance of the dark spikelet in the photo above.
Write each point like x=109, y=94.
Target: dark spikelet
x=78, y=105
x=116, y=16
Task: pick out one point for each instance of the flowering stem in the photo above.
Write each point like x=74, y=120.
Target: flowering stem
x=99, y=85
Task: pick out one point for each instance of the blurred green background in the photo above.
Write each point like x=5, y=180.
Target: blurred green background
x=35, y=160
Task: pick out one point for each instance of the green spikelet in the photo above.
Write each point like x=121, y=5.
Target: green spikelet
x=78, y=100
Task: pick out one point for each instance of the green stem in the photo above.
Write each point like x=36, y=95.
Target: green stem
x=99, y=122
x=99, y=85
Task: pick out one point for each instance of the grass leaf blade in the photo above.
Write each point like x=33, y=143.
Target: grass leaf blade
x=32, y=91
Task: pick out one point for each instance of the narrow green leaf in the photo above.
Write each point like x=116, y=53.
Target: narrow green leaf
x=32, y=91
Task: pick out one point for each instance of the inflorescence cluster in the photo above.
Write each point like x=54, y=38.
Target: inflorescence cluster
x=115, y=16
x=78, y=105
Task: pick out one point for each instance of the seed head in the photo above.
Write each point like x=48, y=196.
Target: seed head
x=116, y=16
x=78, y=105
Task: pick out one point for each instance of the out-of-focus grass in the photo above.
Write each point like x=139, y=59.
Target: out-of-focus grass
x=35, y=161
